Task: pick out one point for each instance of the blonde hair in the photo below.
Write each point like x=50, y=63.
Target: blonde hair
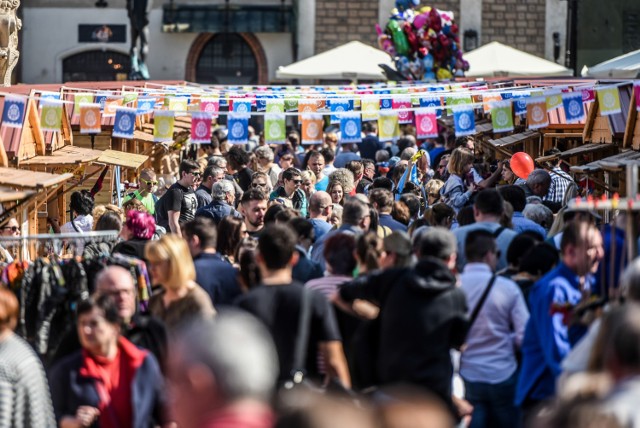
x=433, y=186
x=459, y=159
x=99, y=210
x=308, y=174
x=173, y=249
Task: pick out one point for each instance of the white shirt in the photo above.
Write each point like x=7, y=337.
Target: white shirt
x=489, y=355
x=83, y=222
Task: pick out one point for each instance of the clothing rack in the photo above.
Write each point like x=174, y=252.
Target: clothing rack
x=56, y=240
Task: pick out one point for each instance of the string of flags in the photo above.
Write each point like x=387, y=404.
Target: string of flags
x=390, y=107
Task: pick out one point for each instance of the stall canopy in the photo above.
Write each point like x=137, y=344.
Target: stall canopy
x=354, y=60
x=496, y=59
x=625, y=66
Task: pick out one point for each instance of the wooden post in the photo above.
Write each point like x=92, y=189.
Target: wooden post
x=632, y=191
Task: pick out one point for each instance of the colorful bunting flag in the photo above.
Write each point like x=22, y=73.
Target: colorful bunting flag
x=388, y=126
x=312, y=128
x=201, y=127
x=90, y=118
x=306, y=106
x=403, y=105
x=13, y=113
x=502, y=116
x=51, y=115
x=537, y=113
x=241, y=106
x=588, y=95
x=457, y=100
x=163, y=125
x=370, y=107
x=350, y=128
x=609, y=100
x=129, y=97
x=211, y=106
x=146, y=105
x=338, y=106
x=274, y=128
x=48, y=95
x=125, y=122
x=111, y=105
x=573, y=107
x=432, y=102
x=81, y=98
x=238, y=125
x=487, y=99
x=464, y=120
x=178, y=105
x=426, y=123
x=385, y=100
x=101, y=98
x=520, y=103
x=291, y=103
x=275, y=105
x=553, y=99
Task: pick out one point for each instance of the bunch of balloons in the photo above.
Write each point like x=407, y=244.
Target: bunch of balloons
x=424, y=43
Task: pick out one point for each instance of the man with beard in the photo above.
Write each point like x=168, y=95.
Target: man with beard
x=253, y=206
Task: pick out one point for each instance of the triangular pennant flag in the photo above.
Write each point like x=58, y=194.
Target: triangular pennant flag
x=238, y=125
x=51, y=115
x=502, y=116
x=573, y=107
x=426, y=123
x=201, y=127
x=487, y=99
x=112, y=103
x=464, y=120
x=312, y=128
x=636, y=94
x=387, y=125
x=90, y=118
x=553, y=99
x=350, y=128
x=432, y=102
x=146, y=105
x=241, y=106
x=211, y=106
x=275, y=105
x=403, y=105
x=81, y=98
x=163, y=125
x=537, y=113
x=339, y=106
x=13, y=112
x=609, y=100
x=370, y=107
x=124, y=123
x=274, y=128
x=588, y=95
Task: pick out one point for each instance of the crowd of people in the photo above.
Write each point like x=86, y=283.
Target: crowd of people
x=405, y=284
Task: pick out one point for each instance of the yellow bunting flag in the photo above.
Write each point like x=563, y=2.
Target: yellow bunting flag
x=178, y=105
x=81, y=98
x=609, y=100
x=163, y=122
x=553, y=99
x=370, y=108
x=51, y=115
x=90, y=119
x=388, y=127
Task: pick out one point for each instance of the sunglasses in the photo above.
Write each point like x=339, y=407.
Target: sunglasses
x=259, y=184
x=196, y=173
x=13, y=228
x=148, y=182
x=297, y=181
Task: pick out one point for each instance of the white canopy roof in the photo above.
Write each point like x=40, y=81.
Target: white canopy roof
x=625, y=66
x=353, y=60
x=496, y=59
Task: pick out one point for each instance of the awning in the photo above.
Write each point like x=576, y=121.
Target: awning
x=496, y=59
x=123, y=159
x=68, y=155
x=615, y=163
x=576, y=151
x=26, y=179
x=625, y=66
x=15, y=196
x=510, y=140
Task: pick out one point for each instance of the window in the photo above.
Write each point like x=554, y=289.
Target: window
x=96, y=65
x=227, y=59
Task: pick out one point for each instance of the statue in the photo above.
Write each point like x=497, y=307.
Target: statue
x=10, y=24
x=138, y=11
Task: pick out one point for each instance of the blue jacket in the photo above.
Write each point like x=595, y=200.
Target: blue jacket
x=391, y=223
x=546, y=338
x=522, y=224
x=217, y=210
x=218, y=278
x=70, y=390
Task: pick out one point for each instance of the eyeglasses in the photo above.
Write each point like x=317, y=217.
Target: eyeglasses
x=196, y=173
x=14, y=229
x=149, y=182
x=259, y=184
x=297, y=181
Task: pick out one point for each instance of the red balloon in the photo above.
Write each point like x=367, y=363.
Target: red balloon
x=521, y=164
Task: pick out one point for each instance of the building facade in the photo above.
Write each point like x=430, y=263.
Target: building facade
x=245, y=41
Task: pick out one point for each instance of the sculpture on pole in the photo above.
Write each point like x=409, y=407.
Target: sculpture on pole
x=138, y=11
x=10, y=24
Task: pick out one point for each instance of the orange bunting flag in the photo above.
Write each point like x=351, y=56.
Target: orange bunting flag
x=90, y=118
x=537, y=113
x=312, y=125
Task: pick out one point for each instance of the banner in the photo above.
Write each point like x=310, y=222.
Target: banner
x=101, y=98
x=385, y=99
x=370, y=106
x=402, y=105
x=90, y=118
x=520, y=103
x=125, y=122
x=306, y=106
x=502, y=116
x=350, y=128
x=111, y=104
x=274, y=128
x=588, y=95
x=146, y=105
x=81, y=98
x=573, y=107
x=338, y=106
x=178, y=105
x=241, y=106
x=426, y=123
x=163, y=125
x=291, y=103
x=275, y=105
x=48, y=95
x=312, y=125
x=13, y=112
x=201, y=127
x=129, y=97
x=457, y=101
x=51, y=115
x=238, y=125
x=432, y=102
x=487, y=99
x=636, y=94
x=537, y=113
x=553, y=99
x=464, y=120
x=211, y=106
x=388, y=127
x=609, y=100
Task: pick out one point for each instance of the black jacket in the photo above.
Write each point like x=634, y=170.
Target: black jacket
x=423, y=314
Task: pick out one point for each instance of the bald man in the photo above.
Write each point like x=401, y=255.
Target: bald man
x=320, y=208
x=143, y=331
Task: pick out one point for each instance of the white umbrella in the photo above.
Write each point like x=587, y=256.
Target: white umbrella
x=496, y=59
x=625, y=66
x=354, y=61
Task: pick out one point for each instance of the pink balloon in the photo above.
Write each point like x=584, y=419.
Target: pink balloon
x=521, y=164
x=420, y=20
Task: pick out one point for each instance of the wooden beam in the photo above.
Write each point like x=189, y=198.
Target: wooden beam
x=591, y=118
x=34, y=122
x=632, y=117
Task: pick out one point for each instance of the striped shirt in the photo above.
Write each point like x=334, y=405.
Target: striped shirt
x=560, y=182
x=24, y=393
x=327, y=285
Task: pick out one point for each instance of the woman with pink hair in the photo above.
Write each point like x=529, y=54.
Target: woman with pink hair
x=137, y=230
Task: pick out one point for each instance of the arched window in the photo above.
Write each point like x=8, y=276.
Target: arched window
x=96, y=65
x=227, y=59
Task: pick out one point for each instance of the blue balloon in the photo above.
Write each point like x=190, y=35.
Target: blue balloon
x=427, y=62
